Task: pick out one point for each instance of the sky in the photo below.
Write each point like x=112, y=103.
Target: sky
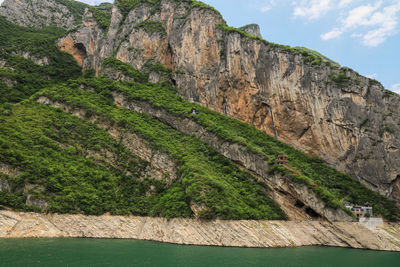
x=360, y=34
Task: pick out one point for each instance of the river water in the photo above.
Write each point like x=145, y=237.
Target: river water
x=102, y=252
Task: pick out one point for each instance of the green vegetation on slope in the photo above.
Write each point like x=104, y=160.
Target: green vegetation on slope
x=139, y=76
x=205, y=177
x=317, y=54
x=342, y=80
x=126, y=69
x=152, y=27
x=127, y=5
x=333, y=186
x=103, y=17
x=75, y=7
x=56, y=151
x=101, y=13
x=25, y=76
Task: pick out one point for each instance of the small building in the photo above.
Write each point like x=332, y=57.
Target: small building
x=367, y=211
x=282, y=159
x=359, y=211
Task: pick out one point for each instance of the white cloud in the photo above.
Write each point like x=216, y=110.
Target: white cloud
x=1, y=1
x=332, y=34
x=386, y=21
x=396, y=88
x=265, y=8
x=312, y=9
x=359, y=15
x=344, y=3
x=373, y=23
x=268, y=6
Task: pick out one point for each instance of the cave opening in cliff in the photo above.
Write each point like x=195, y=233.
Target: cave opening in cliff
x=81, y=49
x=299, y=204
x=174, y=83
x=312, y=213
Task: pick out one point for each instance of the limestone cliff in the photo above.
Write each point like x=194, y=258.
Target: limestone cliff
x=350, y=121
x=252, y=29
x=40, y=13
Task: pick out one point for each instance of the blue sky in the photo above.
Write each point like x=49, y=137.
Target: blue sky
x=361, y=34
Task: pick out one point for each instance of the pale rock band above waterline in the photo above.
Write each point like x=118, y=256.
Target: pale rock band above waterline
x=256, y=234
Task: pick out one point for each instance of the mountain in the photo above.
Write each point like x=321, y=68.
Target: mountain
x=167, y=111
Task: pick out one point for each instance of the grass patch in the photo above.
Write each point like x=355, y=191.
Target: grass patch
x=152, y=27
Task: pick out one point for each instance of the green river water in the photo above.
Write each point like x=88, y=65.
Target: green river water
x=102, y=252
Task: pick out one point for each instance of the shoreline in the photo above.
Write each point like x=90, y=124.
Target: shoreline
x=246, y=234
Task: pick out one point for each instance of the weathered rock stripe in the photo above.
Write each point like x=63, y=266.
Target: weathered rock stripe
x=261, y=234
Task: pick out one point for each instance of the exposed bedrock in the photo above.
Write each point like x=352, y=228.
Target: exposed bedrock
x=38, y=13
x=261, y=234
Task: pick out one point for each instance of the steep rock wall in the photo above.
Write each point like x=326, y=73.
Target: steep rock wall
x=37, y=13
x=354, y=126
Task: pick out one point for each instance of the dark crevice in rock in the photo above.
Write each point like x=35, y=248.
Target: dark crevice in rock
x=299, y=204
x=269, y=109
x=304, y=132
x=312, y=213
x=281, y=191
x=396, y=180
x=81, y=49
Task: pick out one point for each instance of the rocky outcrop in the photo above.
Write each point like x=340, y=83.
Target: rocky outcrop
x=261, y=234
x=37, y=202
x=348, y=120
x=84, y=43
x=44, y=61
x=31, y=192
x=38, y=13
x=9, y=170
x=4, y=186
x=253, y=29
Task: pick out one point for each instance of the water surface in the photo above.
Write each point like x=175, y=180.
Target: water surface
x=103, y=252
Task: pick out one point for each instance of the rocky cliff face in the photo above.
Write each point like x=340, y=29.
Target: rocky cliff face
x=348, y=120
x=38, y=13
x=252, y=29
